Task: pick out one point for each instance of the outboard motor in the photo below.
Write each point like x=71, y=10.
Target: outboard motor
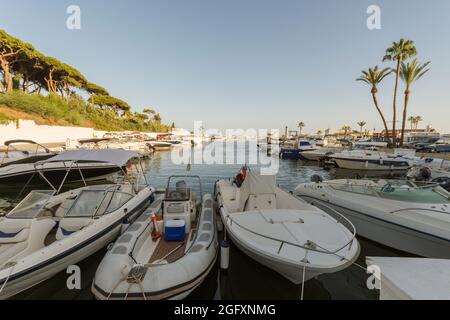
x=316, y=178
x=444, y=182
x=181, y=185
x=419, y=174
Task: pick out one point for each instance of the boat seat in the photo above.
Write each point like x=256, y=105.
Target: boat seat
x=67, y=226
x=228, y=193
x=260, y=202
x=14, y=230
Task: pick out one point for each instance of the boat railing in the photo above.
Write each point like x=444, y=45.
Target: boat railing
x=422, y=209
x=309, y=245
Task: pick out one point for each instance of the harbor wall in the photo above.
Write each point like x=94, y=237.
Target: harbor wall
x=29, y=130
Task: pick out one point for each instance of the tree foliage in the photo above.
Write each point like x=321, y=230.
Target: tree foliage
x=23, y=68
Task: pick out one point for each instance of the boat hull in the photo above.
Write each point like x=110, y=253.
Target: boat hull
x=293, y=154
x=360, y=164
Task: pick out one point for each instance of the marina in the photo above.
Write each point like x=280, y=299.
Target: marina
x=220, y=284
x=224, y=155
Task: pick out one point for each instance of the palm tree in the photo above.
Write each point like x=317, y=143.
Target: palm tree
x=411, y=121
x=300, y=126
x=346, y=129
x=361, y=124
x=399, y=52
x=373, y=77
x=417, y=119
x=319, y=133
x=410, y=72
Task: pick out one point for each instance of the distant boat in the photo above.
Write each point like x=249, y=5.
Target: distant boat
x=18, y=174
x=295, y=153
x=15, y=155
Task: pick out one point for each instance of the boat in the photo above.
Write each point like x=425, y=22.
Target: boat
x=158, y=145
x=403, y=215
x=320, y=153
x=166, y=253
x=296, y=152
x=13, y=174
x=49, y=231
x=282, y=232
x=411, y=278
x=367, y=157
x=420, y=137
x=32, y=153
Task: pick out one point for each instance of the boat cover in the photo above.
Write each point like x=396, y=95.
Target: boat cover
x=114, y=156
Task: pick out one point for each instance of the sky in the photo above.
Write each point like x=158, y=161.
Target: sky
x=245, y=63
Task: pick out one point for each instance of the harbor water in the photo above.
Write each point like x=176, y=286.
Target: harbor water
x=245, y=278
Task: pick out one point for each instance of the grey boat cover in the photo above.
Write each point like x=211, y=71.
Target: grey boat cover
x=114, y=156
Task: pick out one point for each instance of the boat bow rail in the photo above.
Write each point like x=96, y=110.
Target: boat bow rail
x=309, y=245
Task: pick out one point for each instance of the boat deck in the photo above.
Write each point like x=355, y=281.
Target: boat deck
x=165, y=247
x=175, y=248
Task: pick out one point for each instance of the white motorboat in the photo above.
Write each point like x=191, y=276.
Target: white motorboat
x=158, y=145
x=30, y=152
x=48, y=231
x=282, y=232
x=401, y=215
x=320, y=153
x=166, y=253
x=371, y=160
x=18, y=173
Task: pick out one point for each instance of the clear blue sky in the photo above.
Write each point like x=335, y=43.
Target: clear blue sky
x=244, y=63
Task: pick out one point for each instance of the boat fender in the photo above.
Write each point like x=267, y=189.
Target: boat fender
x=224, y=254
x=156, y=234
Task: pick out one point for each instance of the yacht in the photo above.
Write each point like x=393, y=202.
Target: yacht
x=282, y=232
x=50, y=230
x=297, y=151
x=399, y=214
x=28, y=171
x=168, y=250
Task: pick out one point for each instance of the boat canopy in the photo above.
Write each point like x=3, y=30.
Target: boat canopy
x=117, y=157
x=10, y=142
x=93, y=140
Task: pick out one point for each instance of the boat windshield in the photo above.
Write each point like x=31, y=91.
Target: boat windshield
x=91, y=203
x=31, y=205
x=423, y=194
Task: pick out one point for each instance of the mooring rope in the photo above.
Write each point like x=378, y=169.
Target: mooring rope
x=7, y=278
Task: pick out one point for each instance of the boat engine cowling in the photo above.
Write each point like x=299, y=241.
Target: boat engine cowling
x=419, y=174
x=316, y=178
